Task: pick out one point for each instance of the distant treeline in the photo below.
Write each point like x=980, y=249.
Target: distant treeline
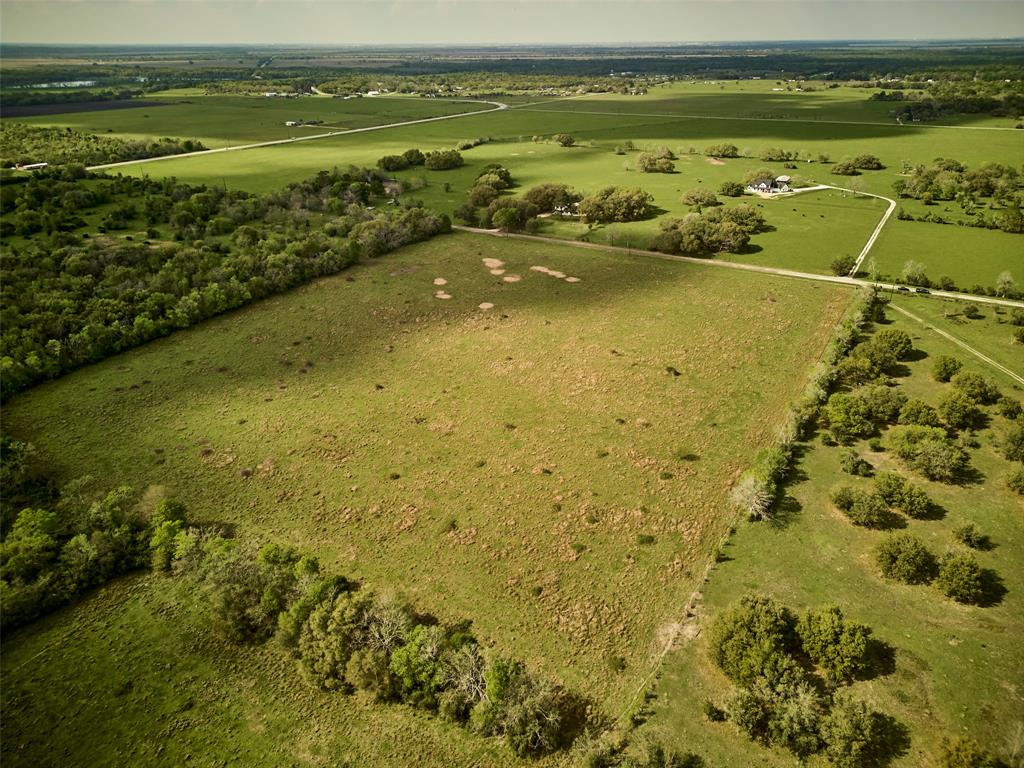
x=930, y=101
x=15, y=98
x=830, y=62
x=70, y=299
x=20, y=144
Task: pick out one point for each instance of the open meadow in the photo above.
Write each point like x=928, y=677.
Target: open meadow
x=225, y=121
x=554, y=467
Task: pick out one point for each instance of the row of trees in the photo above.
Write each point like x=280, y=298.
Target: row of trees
x=21, y=144
x=70, y=300
x=345, y=637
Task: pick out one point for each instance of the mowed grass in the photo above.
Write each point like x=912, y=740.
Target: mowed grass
x=968, y=255
x=958, y=669
x=133, y=676
x=990, y=333
x=499, y=465
x=223, y=121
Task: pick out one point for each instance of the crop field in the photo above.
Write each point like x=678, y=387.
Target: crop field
x=224, y=121
x=487, y=462
x=813, y=556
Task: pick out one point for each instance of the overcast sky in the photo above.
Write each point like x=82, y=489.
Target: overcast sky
x=379, y=22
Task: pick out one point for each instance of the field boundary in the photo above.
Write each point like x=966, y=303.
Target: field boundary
x=773, y=119
x=498, y=106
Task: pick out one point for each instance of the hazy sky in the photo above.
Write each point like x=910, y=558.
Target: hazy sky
x=356, y=22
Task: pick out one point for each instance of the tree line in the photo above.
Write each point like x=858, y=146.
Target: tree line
x=71, y=299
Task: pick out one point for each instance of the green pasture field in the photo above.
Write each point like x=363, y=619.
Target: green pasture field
x=602, y=122
x=223, y=121
x=132, y=675
x=958, y=669
x=991, y=333
x=765, y=99
x=498, y=465
x=969, y=255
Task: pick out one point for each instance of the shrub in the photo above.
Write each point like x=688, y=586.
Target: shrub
x=964, y=752
x=904, y=558
x=481, y=195
x=929, y=451
x=617, y=204
x=329, y=637
x=889, y=486
x=848, y=417
x=853, y=464
x=369, y=669
x=648, y=162
x=753, y=638
x=1012, y=441
x=837, y=646
x=393, y=163
x=443, y=160
x=958, y=410
x=564, y=139
x=976, y=387
x=845, y=168
x=700, y=196
x=868, y=510
x=414, y=157
x=722, y=150
x=852, y=736
x=971, y=311
x=842, y=265
x=843, y=497
x=960, y=577
x=969, y=535
x=885, y=403
x=919, y=412
x=1015, y=480
x=1010, y=408
x=914, y=502
x=945, y=367
x=547, y=197
x=897, y=341
x=734, y=189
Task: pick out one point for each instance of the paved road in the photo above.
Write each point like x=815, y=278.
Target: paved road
x=497, y=107
x=959, y=342
x=526, y=108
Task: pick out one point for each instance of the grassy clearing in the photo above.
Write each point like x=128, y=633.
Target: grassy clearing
x=137, y=679
x=968, y=255
x=957, y=668
x=223, y=121
x=497, y=464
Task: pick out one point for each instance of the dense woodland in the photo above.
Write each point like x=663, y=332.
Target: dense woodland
x=22, y=144
x=71, y=299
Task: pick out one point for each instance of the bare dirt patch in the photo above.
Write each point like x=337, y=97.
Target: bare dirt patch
x=714, y=161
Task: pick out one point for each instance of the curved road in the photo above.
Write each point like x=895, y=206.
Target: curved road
x=498, y=106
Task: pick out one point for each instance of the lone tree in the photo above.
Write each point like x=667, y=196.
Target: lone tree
x=564, y=139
